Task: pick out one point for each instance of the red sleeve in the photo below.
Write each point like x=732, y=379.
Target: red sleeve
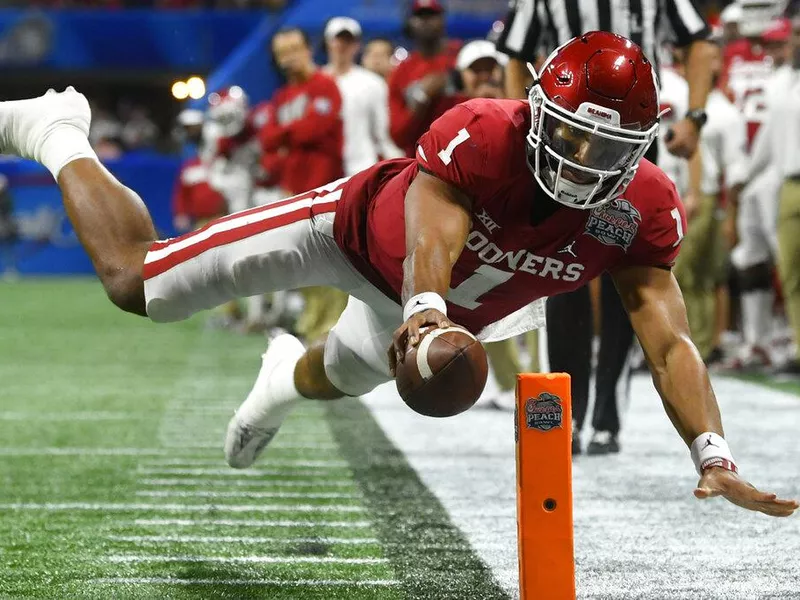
x=662, y=226
x=458, y=146
x=180, y=196
x=271, y=135
x=323, y=116
x=402, y=121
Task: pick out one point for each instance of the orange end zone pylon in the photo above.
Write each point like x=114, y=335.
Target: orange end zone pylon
x=544, y=487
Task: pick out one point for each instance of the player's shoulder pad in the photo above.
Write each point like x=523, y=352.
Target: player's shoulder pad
x=663, y=220
x=498, y=123
x=652, y=191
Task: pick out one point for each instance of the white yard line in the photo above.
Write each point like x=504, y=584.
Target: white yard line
x=282, y=523
x=289, y=560
x=245, y=494
x=22, y=451
x=228, y=472
x=217, y=446
x=71, y=416
x=232, y=582
x=236, y=508
x=267, y=462
x=230, y=539
x=266, y=484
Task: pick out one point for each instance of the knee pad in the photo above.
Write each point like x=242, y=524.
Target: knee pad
x=349, y=370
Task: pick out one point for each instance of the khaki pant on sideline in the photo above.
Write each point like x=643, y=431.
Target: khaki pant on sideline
x=789, y=250
x=505, y=362
x=697, y=272
x=323, y=308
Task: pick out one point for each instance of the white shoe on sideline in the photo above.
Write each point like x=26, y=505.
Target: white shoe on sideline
x=25, y=125
x=260, y=416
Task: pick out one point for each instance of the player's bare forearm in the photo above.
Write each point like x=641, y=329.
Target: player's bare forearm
x=699, y=72
x=681, y=379
x=658, y=315
x=437, y=225
x=113, y=226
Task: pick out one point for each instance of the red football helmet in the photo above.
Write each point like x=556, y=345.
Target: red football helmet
x=594, y=109
x=228, y=110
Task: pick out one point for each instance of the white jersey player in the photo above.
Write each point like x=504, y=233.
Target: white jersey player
x=747, y=73
x=365, y=99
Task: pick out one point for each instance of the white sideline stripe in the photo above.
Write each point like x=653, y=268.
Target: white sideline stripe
x=85, y=451
x=141, y=558
x=268, y=483
x=244, y=494
x=268, y=463
x=171, y=449
x=183, y=507
x=271, y=582
x=288, y=524
x=229, y=472
x=231, y=539
x=235, y=223
x=71, y=416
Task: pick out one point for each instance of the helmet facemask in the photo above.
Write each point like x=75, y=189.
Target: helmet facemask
x=582, y=159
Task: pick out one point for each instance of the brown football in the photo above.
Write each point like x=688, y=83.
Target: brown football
x=444, y=374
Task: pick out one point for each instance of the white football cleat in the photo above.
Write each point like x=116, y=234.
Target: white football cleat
x=25, y=125
x=260, y=416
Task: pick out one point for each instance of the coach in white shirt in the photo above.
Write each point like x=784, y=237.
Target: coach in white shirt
x=365, y=99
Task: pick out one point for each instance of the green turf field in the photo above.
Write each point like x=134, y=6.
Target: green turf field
x=112, y=482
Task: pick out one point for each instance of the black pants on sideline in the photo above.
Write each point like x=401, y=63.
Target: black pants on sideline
x=569, y=345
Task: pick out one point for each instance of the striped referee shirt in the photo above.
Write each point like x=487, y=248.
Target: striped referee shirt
x=535, y=26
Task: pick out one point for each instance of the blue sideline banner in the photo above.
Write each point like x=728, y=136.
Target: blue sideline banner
x=180, y=41
x=46, y=243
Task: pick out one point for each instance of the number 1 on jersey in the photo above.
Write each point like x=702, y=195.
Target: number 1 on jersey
x=446, y=155
x=483, y=280
x=676, y=214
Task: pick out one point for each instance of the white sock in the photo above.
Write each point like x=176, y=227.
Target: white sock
x=271, y=398
x=757, y=316
x=62, y=146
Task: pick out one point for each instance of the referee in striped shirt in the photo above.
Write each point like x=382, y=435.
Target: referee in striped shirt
x=534, y=28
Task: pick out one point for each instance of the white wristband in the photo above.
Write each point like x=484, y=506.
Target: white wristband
x=424, y=301
x=711, y=450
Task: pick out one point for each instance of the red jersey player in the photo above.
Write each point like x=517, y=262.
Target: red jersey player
x=307, y=129
x=418, y=86
x=239, y=168
x=508, y=201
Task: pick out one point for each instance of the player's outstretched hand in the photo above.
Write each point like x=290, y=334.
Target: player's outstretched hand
x=408, y=333
x=721, y=482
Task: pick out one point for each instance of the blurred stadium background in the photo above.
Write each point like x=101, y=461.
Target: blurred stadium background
x=112, y=483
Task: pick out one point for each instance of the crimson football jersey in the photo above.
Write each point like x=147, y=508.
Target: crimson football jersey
x=308, y=131
x=509, y=261
x=746, y=70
